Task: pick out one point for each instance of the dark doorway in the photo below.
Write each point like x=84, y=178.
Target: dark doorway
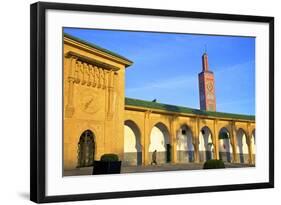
x=86, y=149
x=168, y=157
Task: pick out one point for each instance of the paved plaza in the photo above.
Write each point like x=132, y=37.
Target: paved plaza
x=152, y=168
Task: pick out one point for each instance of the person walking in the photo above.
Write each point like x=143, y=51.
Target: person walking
x=154, y=157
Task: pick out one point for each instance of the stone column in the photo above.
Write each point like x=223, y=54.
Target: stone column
x=173, y=139
x=216, y=141
x=146, y=136
x=143, y=149
x=196, y=132
x=249, y=143
x=250, y=151
x=234, y=143
x=69, y=110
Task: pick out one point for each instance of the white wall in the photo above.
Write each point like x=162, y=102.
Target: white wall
x=204, y=140
x=224, y=145
x=157, y=140
x=129, y=140
x=242, y=147
x=14, y=103
x=184, y=141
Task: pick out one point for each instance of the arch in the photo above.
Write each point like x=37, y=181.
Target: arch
x=160, y=141
x=242, y=147
x=206, y=147
x=185, y=149
x=225, y=148
x=86, y=149
x=132, y=144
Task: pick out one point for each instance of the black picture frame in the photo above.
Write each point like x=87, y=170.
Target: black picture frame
x=38, y=101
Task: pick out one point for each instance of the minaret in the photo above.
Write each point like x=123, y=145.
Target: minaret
x=207, y=86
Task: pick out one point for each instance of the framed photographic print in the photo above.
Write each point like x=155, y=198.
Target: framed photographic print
x=129, y=102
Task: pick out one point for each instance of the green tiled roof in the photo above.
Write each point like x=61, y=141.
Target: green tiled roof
x=180, y=109
x=96, y=47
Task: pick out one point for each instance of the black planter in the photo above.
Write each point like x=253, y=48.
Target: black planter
x=104, y=167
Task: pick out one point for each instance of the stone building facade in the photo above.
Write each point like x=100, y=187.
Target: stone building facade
x=99, y=119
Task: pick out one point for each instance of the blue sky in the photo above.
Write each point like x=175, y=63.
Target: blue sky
x=166, y=66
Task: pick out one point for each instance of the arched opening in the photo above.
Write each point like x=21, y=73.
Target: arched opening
x=254, y=145
x=242, y=148
x=160, y=141
x=225, y=149
x=206, y=147
x=86, y=149
x=185, y=149
x=132, y=144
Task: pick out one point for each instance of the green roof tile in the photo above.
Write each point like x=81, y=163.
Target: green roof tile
x=180, y=109
x=96, y=47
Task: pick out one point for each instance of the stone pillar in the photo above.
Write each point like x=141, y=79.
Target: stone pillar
x=69, y=110
x=234, y=143
x=216, y=141
x=173, y=139
x=146, y=136
x=196, y=150
x=143, y=149
x=249, y=143
x=250, y=151
x=196, y=132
